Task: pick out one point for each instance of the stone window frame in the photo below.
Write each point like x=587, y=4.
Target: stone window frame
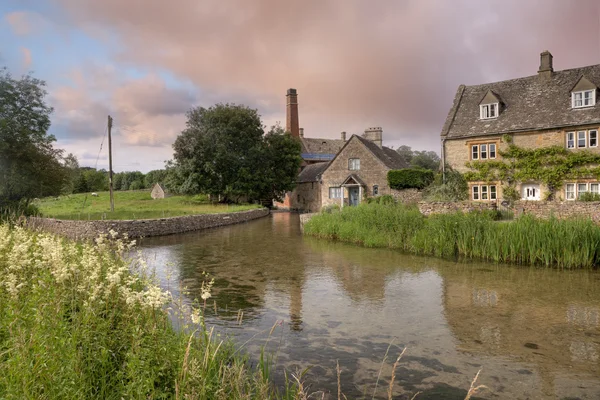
x=489, y=111
x=354, y=164
x=477, y=192
x=475, y=150
x=578, y=99
x=590, y=187
x=337, y=192
x=574, y=139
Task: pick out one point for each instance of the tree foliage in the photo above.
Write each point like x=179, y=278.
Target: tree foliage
x=410, y=178
x=420, y=159
x=29, y=164
x=224, y=152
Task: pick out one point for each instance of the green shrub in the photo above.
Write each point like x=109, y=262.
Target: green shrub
x=588, y=196
x=410, y=178
x=454, y=189
x=385, y=199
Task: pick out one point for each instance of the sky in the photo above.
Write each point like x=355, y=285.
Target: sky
x=355, y=64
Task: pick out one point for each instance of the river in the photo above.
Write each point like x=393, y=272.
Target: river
x=534, y=333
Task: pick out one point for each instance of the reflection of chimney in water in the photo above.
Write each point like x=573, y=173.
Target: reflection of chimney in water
x=296, y=306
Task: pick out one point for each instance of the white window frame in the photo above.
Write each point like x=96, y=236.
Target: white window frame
x=595, y=188
x=488, y=111
x=583, y=98
x=595, y=133
x=483, y=153
x=484, y=192
x=490, y=152
x=336, y=191
x=572, y=193
x=536, y=194
x=475, y=152
x=475, y=192
x=493, y=193
x=581, y=139
x=354, y=164
x=579, y=191
x=570, y=140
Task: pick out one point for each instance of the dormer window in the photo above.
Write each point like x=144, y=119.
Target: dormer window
x=488, y=111
x=584, y=98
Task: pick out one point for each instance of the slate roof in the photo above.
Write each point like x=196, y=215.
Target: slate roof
x=530, y=103
x=388, y=156
x=312, y=172
x=321, y=146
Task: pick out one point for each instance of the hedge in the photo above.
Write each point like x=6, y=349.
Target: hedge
x=410, y=178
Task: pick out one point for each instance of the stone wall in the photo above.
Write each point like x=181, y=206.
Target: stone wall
x=143, y=227
x=428, y=208
x=562, y=209
x=304, y=218
x=306, y=197
x=407, y=195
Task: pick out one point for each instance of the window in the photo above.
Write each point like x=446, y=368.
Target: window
x=475, y=192
x=581, y=139
x=335, y=192
x=487, y=111
x=570, y=191
x=354, y=164
x=595, y=188
x=475, y=152
x=492, y=150
x=570, y=140
x=585, y=98
x=581, y=189
x=375, y=190
x=483, y=151
x=484, y=192
x=593, y=136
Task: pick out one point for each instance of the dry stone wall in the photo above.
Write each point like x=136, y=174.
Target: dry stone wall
x=428, y=208
x=142, y=228
x=407, y=195
x=564, y=209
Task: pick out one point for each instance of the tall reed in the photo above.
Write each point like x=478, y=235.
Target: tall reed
x=570, y=243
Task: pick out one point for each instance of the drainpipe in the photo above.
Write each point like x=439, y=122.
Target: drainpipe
x=443, y=161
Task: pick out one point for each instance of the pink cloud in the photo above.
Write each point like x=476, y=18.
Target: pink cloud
x=26, y=53
x=24, y=23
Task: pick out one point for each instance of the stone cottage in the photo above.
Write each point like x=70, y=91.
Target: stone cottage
x=552, y=108
x=338, y=171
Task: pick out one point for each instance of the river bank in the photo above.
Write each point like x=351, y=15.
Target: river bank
x=568, y=243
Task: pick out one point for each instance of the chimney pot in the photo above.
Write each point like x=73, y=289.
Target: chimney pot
x=343, y=136
x=546, y=67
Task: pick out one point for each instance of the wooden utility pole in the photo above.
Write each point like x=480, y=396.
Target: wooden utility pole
x=110, y=172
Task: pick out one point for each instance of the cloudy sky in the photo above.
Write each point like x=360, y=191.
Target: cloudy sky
x=355, y=63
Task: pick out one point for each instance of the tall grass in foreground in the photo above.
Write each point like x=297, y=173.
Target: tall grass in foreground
x=75, y=323
x=572, y=243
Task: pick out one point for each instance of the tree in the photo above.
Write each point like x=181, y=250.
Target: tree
x=155, y=176
x=422, y=159
x=71, y=165
x=29, y=165
x=224, y=152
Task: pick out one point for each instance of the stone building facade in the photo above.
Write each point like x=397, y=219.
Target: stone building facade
x=552, y=108
x=327, y=177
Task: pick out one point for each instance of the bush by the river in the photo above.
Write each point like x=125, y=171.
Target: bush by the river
x=76, y=323
x=527, y=240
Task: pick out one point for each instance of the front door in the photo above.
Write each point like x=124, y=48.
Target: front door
x=353, y=196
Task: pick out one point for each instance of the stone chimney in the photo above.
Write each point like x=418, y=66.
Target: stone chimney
x=546, y=68
x=292, y=124
x=375, y=135
x=343, y=136
x=301, y=132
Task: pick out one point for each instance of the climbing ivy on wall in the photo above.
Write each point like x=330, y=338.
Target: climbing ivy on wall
x=549, y=165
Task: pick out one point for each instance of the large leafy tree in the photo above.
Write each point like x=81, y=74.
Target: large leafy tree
x=224, y=152
x=29, y=164
x=423, y=159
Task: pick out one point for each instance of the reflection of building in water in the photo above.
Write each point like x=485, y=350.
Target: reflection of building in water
x=519, y=319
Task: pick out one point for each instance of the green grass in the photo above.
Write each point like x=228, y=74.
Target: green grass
x=75, y=323
x=572, y=243
x=130, y=205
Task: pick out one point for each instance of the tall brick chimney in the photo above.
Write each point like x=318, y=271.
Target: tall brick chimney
x=343, y=136
x=292, y=124
x=546, y=68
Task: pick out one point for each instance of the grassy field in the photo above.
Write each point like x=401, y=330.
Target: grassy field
x=526, y=241
x=130, y=205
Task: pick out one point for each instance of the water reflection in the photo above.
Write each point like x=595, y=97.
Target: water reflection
x=535, y=333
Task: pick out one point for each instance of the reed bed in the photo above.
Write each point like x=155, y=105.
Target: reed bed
x=570, y=243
